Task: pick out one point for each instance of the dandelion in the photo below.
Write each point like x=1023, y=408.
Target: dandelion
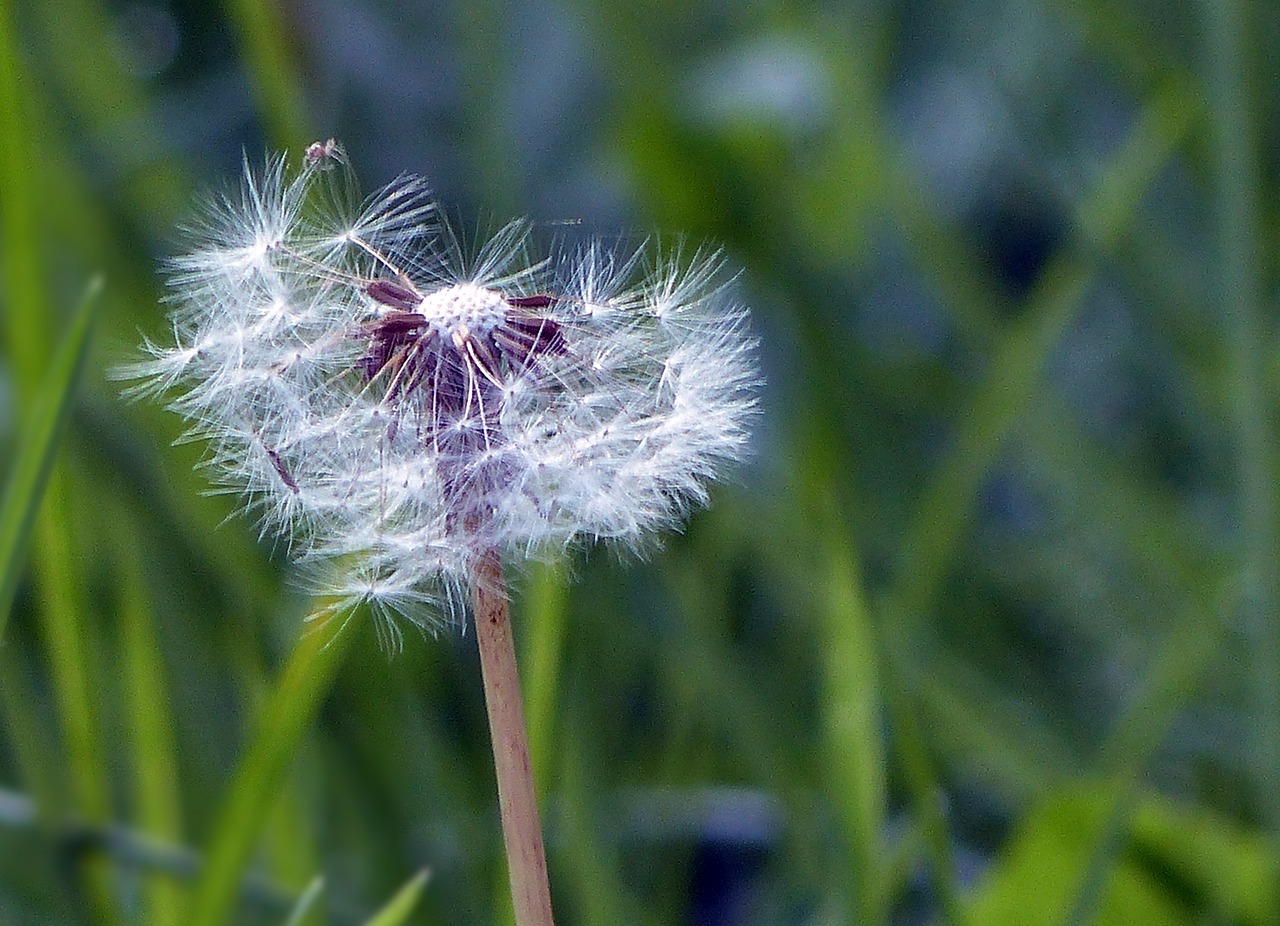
x=407, y=413
x=398, y=409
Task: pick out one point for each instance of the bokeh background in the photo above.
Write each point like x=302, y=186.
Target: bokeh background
x=986, y=633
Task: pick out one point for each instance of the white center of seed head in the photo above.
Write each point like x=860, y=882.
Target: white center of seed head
x=476, y=308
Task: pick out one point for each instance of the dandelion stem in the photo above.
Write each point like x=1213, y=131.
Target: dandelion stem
x=517, y=800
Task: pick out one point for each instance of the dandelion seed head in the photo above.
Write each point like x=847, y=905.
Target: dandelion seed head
x=397, y=406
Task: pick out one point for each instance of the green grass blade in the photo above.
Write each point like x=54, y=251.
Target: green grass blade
x=1237, y=176
x=282, y=722
x=37, y=760
x=1108, y=840
x=46, y=379
x=1173, y=676
x=593, y=862
x=144, y=691
x=276, y=82
x=545, y=600
x=27, y=321
x=854, y=752
x=402, y=904
x=1164, y=546
x=288, y=854
x=34, y=462
x=1029, y=884
x=306, y=902
x=73, y=652
x=1018, y=362
x=925, y=788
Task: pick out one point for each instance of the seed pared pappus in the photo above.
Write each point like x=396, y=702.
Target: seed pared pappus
x=399, y=406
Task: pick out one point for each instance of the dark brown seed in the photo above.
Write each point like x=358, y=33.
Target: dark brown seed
x=388, y=292
x=539, y=301
x=395, y=324
x=527, y=336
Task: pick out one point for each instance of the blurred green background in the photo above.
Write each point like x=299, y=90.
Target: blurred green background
x=987, y=632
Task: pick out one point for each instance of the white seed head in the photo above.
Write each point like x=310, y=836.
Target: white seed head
x=397, y=409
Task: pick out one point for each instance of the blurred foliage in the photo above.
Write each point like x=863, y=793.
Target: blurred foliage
x=987, y=633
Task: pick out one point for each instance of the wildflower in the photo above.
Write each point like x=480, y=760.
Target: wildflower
x=400, y=409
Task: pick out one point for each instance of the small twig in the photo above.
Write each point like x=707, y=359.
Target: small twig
x=517, y=800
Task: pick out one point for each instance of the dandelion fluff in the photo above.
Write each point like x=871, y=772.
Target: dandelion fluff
x=399, y=410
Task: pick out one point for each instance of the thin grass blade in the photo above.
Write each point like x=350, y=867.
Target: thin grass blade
x=306, y=902
x=283, y=721
x=402, y=904
x=39, y=446
x=277, y=83
x=150, y=724
x=1237, y=175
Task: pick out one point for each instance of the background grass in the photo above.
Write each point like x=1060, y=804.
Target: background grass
x=988, y=631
